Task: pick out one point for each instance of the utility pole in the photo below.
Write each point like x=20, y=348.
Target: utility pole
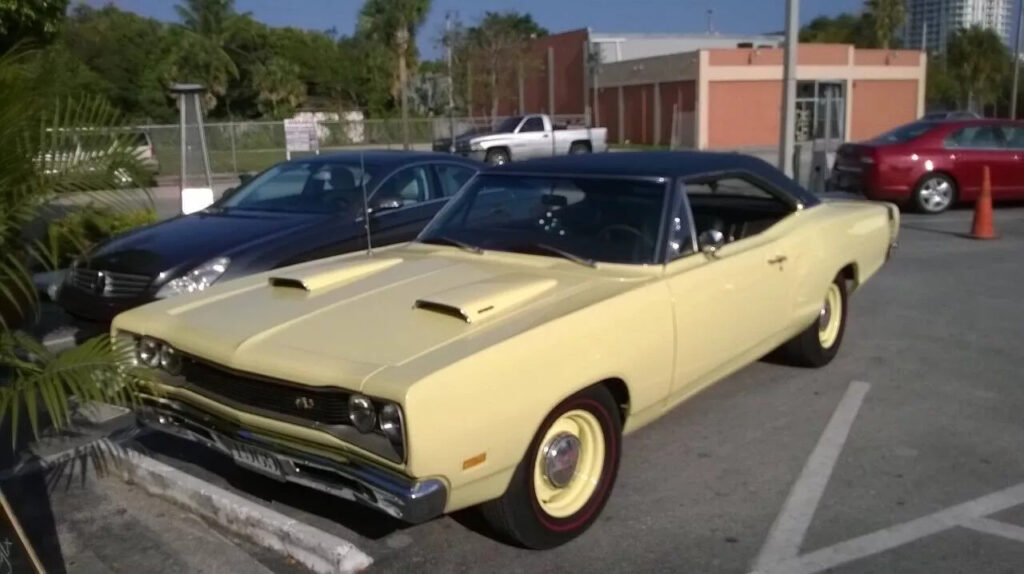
x=788, y=131
x=451, y=81
x=924, y=37
x=403, y=40
x=1016, y=60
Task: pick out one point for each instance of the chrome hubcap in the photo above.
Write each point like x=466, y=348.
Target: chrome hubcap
x=936, y=194
x=560, y=458
x=825, y=315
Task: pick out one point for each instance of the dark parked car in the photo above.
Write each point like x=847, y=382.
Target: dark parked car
x=295, y=211
x=930, y=165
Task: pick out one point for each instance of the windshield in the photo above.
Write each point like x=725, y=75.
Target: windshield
x=580, y=218
x=313, y=187
x=508, y=125
x=905, y=133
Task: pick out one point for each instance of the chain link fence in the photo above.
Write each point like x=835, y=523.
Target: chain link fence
x=238, y=147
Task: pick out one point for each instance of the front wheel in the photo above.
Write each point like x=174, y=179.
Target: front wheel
x=497, y=157
x=818, y=344
x=566, y=476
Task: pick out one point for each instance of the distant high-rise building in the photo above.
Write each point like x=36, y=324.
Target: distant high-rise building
x=930, y=22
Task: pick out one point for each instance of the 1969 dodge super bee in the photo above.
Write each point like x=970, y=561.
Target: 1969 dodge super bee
x=553, y=306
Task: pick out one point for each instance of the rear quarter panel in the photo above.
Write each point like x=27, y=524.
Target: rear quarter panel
x=834, y=235
x=493, y=402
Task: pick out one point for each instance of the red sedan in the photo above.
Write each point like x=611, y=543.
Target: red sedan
x=930, y=165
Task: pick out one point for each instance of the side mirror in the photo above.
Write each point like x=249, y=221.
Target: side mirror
x=384, y=204
x=710, y=241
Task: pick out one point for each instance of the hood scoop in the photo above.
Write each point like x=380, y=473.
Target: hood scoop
x=327, y=275
x=477, y=301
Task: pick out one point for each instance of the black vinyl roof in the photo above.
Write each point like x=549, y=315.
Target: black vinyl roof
x=667, y=164
x=383, y=157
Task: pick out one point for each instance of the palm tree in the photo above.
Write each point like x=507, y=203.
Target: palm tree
x=889, y=16
x=979, y=62
x=54, y=151
x=280, y=89
x=203, y=52
x=394, y=23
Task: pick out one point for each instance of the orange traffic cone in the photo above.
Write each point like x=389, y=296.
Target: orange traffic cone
x=982, y=227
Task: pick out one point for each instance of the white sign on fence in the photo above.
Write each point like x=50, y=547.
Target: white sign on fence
x=300, y=135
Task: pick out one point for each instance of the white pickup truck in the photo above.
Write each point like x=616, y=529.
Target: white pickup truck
x=525, y=137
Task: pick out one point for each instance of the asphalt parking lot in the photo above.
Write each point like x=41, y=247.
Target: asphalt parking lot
x=903, y=455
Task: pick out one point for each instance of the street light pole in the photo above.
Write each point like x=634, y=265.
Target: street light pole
x=451, y=81
x=1016, y=60
x=788, y=131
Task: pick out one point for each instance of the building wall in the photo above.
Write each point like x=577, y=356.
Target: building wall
x=675, y=96
x=880, y=105
x=608, y=112
x=639, y=114
x=743, y=114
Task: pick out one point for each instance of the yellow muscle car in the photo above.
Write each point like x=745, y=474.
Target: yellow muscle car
x=553, y=306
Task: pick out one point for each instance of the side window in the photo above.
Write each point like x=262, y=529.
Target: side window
x=452, y=177
x=975, y=137
x=532, y=124
x=733, y=205
x=286, y=183
x=1013, y=136
x=409, y=186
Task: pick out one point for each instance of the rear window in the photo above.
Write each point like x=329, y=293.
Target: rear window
x=905, y=133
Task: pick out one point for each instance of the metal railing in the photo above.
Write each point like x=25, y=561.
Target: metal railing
x=237, y=147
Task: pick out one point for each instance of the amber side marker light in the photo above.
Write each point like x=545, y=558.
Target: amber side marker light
x=473, y=461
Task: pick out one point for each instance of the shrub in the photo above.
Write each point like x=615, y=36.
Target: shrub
x=74, y=234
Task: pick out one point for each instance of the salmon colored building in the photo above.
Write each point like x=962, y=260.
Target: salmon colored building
x=718, y=97
x=731, y=98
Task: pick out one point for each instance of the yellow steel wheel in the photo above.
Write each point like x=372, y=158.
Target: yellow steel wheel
x=569, y=463
x=831, y=317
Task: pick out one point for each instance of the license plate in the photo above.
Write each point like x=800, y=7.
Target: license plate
x=255, y=459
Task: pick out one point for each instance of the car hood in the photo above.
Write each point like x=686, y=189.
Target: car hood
x=191, y=239
x=336, y=322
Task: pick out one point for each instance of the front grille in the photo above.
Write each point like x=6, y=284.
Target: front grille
x=110, y=283
x=326, y=406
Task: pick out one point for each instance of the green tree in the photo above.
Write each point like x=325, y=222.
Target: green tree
x=942, y=90
x=497, y=49
x=979, y=63
x=207, y=27
x=34, y=21
x=38, y=172
x=393, y=24
x=279, y=86
x=858, y=30
x=888, y=16
x=128, y=53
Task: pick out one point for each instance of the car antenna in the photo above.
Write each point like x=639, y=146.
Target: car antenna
x=366, y=205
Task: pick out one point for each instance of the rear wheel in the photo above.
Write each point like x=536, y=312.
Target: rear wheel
x=935, y=193
x=497, y=157
x=566, y=476
x=819, y=343
x=578, y=148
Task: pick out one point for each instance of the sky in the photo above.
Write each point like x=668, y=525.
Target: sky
x=604, y=16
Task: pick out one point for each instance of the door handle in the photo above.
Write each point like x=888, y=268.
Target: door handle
x=546, y=136
x=777, y=259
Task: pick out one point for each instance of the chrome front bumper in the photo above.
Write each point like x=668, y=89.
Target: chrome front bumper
x=396, y=495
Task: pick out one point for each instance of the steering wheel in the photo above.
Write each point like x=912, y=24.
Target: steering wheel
x=627, y=229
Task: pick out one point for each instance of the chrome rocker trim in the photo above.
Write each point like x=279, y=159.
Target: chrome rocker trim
x=412, y=501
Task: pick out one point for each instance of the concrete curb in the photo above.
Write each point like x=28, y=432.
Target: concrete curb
x=313, y=548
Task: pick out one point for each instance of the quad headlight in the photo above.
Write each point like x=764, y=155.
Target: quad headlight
x=361, y=413
x=157, y=355
x=367, y=416
x=195, y=280
x=391, y=423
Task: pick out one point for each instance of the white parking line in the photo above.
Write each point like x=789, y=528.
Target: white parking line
x=788, y=531
x=888, y=538
x=989, y=526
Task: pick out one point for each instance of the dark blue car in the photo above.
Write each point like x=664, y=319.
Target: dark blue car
x=295, y=211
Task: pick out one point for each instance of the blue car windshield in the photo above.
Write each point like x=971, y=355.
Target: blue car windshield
x=589, y=219
x=310, y=187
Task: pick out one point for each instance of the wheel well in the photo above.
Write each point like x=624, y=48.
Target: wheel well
x=620, y=392
x=852, y=275
x=584, y=143
x=505, y=149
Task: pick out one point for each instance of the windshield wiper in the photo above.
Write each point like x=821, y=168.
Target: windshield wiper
x=561, y=252
x=444, y=240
